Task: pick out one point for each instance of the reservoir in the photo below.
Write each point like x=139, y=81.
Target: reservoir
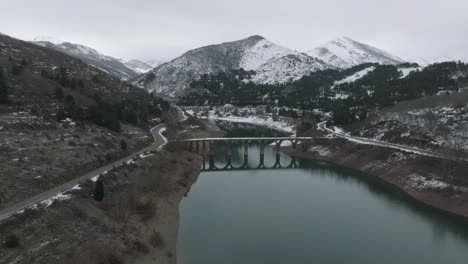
x=318, y=213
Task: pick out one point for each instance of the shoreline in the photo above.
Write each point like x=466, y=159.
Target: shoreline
x=136, y=222
x=398, y=177
x=240, y=120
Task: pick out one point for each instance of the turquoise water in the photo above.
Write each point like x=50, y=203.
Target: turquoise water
x=316, y=214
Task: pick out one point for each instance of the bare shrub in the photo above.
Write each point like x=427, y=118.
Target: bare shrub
x=175, y=146
x=11, y=241
x=156, y=240
x=95, y=253
x=146, y=209
x=140, y=246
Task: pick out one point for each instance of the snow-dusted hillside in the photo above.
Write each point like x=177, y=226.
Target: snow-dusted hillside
x=262, y=52
x=274, y=63
x=89, y=55
x=138, y=66
x=287, y=68
x=155, y=62
x=344, y=52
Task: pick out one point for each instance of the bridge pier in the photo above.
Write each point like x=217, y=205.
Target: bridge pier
x=207, y=150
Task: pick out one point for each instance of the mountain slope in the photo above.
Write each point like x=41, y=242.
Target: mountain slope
x=155, y=62
x=287, y=69
x=274, y=63
x=89, y=55
x=344, y=52
x=138, y=66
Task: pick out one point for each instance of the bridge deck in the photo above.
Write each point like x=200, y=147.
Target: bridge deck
x=246, y=138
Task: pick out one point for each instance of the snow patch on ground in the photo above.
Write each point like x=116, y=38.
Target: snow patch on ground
x=422, y=183
x=356, y=76
x=266, y=121
x=321, y=150
x=407, y=71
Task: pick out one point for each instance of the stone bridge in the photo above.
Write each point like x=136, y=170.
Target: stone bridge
x=206, y=147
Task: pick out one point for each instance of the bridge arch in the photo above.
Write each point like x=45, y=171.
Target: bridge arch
x=207, y=148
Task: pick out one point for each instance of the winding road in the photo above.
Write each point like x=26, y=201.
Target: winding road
x=159, y=140
x=322, y=126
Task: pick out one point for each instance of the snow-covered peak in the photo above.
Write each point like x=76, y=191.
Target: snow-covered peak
x=48, y=39
x=262, y=52
x=344, y=52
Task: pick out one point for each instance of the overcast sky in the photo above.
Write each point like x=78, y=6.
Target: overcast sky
x=164, y=29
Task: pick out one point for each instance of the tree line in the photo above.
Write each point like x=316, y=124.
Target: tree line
x=383, y=86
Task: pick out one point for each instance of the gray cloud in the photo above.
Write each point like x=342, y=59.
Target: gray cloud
x=148, y=29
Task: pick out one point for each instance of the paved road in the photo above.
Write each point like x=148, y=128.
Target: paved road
x=322, y=126
x=159, y=140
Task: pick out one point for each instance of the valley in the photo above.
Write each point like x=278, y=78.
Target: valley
x=98, y=164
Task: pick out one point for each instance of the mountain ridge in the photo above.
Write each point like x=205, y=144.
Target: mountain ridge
x=252, y=53
x=344, y=52
x=89, y=55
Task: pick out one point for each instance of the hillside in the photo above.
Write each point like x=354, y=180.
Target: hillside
x=60, y=117
x=345, y=52
x=348, y=95
x=91, y=56
x=138, y=66
x=275, y=64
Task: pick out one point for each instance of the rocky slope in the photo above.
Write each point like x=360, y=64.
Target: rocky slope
x=89, y=55
x=274, y=64
x=344, y=52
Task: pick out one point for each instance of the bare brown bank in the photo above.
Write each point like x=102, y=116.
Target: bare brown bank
x=137, y=221
x=435, y=182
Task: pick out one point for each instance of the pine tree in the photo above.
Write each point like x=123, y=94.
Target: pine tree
x=99, y=190
x=58, y=93
x=123, y=145
x=3, y=88
x=69, y=104
x=60, y=115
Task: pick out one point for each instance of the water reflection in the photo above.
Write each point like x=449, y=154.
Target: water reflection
x=442, y=222
x=318, y=213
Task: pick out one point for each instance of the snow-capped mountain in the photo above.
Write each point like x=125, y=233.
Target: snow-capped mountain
x=89, y=55
x=431, y=60
x=138, y=66
x=274, y=64
x=344, y=52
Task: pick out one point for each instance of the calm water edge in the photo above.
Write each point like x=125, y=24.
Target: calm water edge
x=314, y=214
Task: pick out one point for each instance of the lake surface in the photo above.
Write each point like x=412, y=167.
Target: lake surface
x=318, y=213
